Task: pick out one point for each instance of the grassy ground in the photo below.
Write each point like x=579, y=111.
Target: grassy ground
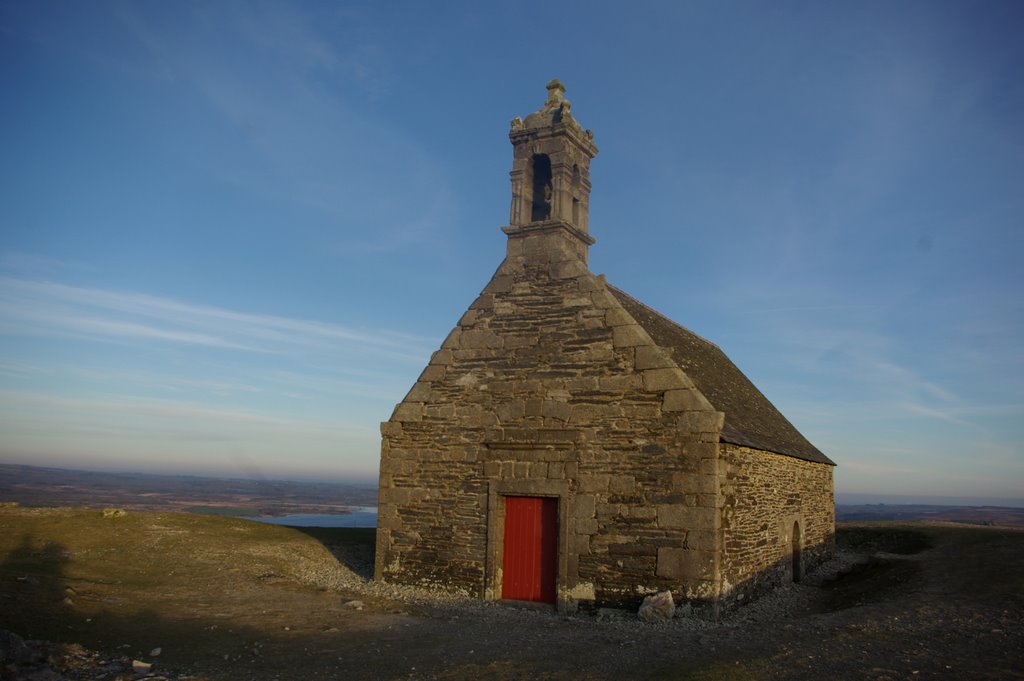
x=226, y=598
x=198, y=587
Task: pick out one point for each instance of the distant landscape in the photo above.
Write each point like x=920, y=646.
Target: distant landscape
x=39, y=486
x=973, y=515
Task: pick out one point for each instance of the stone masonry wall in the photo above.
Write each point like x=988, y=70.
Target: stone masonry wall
x=548, y=387
x=763, y=494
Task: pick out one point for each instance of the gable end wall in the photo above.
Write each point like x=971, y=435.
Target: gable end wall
x=548, y=387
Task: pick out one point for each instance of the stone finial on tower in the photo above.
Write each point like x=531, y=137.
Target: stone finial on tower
x=556, y=92
x=551, y=172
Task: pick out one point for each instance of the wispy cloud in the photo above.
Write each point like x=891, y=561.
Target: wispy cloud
x=34, y=264
x=49, y=308
x=173, y=411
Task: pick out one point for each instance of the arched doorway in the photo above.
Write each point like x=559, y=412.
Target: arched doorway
x=796, y=551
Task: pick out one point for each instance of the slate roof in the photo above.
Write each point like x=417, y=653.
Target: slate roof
x=750, y=419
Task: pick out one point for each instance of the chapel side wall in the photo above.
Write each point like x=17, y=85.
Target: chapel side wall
x=763, y=494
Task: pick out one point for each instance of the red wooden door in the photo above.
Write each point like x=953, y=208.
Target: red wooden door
x=531, y=549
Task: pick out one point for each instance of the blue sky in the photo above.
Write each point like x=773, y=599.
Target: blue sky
x=232, y=233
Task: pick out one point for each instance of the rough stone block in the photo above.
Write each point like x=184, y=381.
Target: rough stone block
x=605, y=300
x=485, y=301
x=629, y=335
x=533, y=406
x=619, y=383
x=475, y=339
x=587, y=283
x=510, y=411
x=622, y=484
x=685, y=400
x=581, y=384
x=638, y=512
x=708, y=466
x=599, y=352
x=515, y=341
x=682, y=517
x=580, y=544
x=700, y=421
x=618, y=317
x=651, y=357
x=657, y=607
x=387, y=466
x=390, y=428
x=658, y=380
x=707, y=484
x=588, y=413
x=452, y=341
x=567, y=269
x=540, y=261
x=442, y=357
x=594, y=482
x=584, y=506
x=444, y=411
x=556, y=410
x=685, y=564
x=584, y=591
x=420, y=392
x=408, y=411
x=394, y=495
x=392, y=523
x=710, y=500
x=433, y=372
x=702, y=540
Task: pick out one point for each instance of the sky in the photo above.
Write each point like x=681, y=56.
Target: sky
x=231, y=234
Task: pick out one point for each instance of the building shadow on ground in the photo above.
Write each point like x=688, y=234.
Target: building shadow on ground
x=352, y=547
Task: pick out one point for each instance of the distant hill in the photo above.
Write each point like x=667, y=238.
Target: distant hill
x=974, y=515
x=39, y=486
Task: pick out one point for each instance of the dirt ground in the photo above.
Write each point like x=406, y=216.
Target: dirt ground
x=214, y=599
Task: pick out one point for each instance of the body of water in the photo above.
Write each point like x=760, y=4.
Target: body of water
x=365, y=516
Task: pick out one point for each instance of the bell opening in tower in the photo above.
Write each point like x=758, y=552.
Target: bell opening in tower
x=542, y=190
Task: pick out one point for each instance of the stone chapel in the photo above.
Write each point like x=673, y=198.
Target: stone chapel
x=568, y=444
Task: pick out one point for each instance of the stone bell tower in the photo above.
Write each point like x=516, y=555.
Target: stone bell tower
x=551, y=175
